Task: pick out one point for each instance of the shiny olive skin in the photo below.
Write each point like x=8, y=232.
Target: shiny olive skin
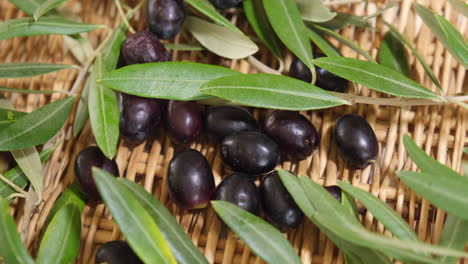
x=184, y=121
x=239, y=189
x=190, y=179
x=6, y=161
x=295, y=135
x=356, y=141
x=250, y=152
x=335, y=191
x=278, y=205
x=165, y=17
x=300, y=71
x=224, y=120
x=139, y=118
x=143, y=47
x=116, y=252
x=85, y=160
x=223, y=4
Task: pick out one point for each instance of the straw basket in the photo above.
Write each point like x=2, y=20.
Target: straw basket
x=440, y=130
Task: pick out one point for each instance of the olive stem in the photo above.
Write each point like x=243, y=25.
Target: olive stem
x=14, y=195
x=14, y=186
x=124, y=18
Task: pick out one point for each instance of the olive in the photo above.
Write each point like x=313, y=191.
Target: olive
x=239, y=189
x=221, y=121
x=250, y=152
x=223, y=4
x=184, y=120
x=190, y=179
x=6, y=161
x=356, y=141
x=335, y=191
x=295, y=135
x=116, y=252
x=139, y=117
x=143, y=47
x=86, y=159
x=165, y=17
x=300, y=71
x=280, y=208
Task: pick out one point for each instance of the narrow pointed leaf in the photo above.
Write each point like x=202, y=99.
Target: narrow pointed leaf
x=454, y=235
x=349, y=203
x=45, y=26
x=46, y=7
x=261, y=237
x=28, y=91
x=72, y=195
x=292, y=184
x=29, y=69
x=8, y=117
x=82, y=113
x=392, y=54
x=271, y=91
x=342, y=20
x=374, y=76
x=30, y=163
x=37, y=127
x=61, y=240
x=323, y=44
x=27, y=6
x=180, y=243
x=206, y=8
x=12, y=249
x=136, y=224
x=460, y=5
x=315, y=11
x=167, y=80
x=221, y=40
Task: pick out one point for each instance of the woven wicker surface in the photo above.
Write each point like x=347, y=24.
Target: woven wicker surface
x=440, y=130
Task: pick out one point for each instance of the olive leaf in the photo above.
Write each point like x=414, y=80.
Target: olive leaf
x=167, y=80
x=180, y=243
x=8, y=117
x=44, y=26
x=323, y=44
x=139, y=228
x=12, y=249
x=72, y=195
x=171, y=46
x=271, y=91
x=374, y=76
x=221, y=40
x=29, y=69
x=28, y=91
x=454, y=235
x=460, y=5
x=46, y=7
x=261, y=237
x=342, y=20
x=82, y=113
x=315, y=11
x=80, y=47
x=30, y=163
x=392, y=54
x=61, y=240
x=27, y=6
x=206, y=8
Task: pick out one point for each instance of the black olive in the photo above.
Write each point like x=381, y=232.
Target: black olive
x=6, y=161
x=86, y=159
x=116, y=252
x=250, y=152
x=356, y=141
x=335, y=191
x=139, y=118
x=190, y=179
x=295, y=135
x=143, y=47
x=300, y=71
x=165, y=17
x=221, y=121
x=223, y=4
x=239, y=189
x=278, y=205
x=184, y=121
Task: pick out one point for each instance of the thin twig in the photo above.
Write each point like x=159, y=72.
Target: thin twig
x=13, y=185
x=124, y=17
x=15, y=195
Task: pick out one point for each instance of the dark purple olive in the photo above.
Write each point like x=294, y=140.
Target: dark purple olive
x=116, y=252
x=329, y=81
x=190, y=179
x=250, y=152
x=278, y=205
x=6, y=161
x=139, y=118
x=184, y=121
x=222, y=121
x=239, y=189
x=295, y=135
x=86, y=159
x=143, y=47
x=300, y=71
x=335, y=191
x=165, y=17
x=356, y=141
x=223, y=4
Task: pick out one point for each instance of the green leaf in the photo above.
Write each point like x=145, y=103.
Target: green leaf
x=72, y=195
x=82, y=113
x=8, y=117
x=167, y=80
x=342, y=20
x=271, y=91
x=460, y=6
x=221, y=40
x=37, y=127
x=206, y=8
x=44, y=26
x=262, y=238
x=46, y=7
x=315, y=11
x=171, y=46
x=374, y=76
x=12, y=249
x=29, y=69
x=454, y=235
x=28, y=91
x=452, y=40
x=392, y=54
x=61, y=239
x=17, y=176
x=180, y=243
x=323, y=44
x=30, y=163
x=27, y=6
x=292, y=184
x=79, y=46
x=349, y=203
x=255, y=13
x=380, y=210
x=136, y=224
